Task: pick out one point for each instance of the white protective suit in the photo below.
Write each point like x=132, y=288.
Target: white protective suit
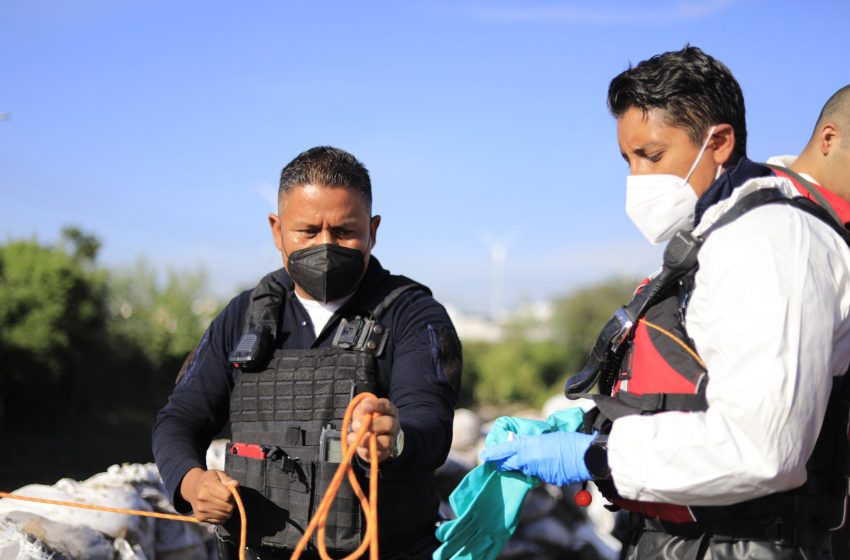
x=770, y=317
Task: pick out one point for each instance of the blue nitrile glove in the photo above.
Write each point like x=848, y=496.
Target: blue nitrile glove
x=556, y=457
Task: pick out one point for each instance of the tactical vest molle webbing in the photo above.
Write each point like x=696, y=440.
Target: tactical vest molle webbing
x=645, y=363
x=287, y=411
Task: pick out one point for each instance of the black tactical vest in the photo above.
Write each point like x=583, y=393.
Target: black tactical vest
x=286, y=412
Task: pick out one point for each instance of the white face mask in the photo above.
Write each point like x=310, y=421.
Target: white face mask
x=661, y=204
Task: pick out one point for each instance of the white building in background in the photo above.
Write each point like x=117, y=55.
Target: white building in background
x=536, y=317
x=474, y=328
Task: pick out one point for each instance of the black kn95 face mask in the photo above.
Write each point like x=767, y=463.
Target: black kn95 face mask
x=326, y=272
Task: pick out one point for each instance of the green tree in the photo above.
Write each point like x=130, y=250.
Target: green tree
x=512, y=371
x=52, y=309
x=86, y=355
x=74, y=336
x=579, y=317
x=525, y=367
x=84, y=246
x=154, y=325
x=165, y=319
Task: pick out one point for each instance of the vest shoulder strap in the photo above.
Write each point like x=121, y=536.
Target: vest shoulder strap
x=749, y=202
x=259, y=331
x=386, y=292
x=763, y=197
x=822, y=214
x=265, y=304
x=360, y=327
x=816, y=194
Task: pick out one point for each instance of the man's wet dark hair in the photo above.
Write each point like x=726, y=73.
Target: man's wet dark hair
x=693, y=90
x=837, y=111
x=328, y=167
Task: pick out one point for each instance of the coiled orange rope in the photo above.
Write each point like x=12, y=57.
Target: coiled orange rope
x=370, y=505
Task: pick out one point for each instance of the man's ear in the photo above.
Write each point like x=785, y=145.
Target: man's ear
x=828, y=137
x=373, y=230
x=722, y=143
x=274, y=224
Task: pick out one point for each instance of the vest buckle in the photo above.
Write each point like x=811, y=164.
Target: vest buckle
x=364, y=335
x=781, y=532
x=289, y=464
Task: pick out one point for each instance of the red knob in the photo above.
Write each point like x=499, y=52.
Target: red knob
x=583, y=498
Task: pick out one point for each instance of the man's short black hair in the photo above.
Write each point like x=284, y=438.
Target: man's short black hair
x=693, y=90
x=328, y=167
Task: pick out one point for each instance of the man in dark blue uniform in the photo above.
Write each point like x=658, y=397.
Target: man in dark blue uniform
x=335, y=323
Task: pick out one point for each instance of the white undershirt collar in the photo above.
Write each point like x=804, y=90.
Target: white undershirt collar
x=320, y=313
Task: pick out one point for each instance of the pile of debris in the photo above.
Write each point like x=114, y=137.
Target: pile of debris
x=36, y=531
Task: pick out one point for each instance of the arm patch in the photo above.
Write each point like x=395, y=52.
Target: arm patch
x=188, y=366
x=446, y=355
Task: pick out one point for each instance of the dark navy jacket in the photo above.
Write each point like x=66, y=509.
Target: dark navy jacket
x=419, y=368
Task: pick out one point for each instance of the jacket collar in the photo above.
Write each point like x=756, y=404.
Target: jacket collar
x=726, y=184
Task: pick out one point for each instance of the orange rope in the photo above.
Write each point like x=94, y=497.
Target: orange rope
x=243, y=522
x=142, y=513
x=677, y=340
x=370, y=505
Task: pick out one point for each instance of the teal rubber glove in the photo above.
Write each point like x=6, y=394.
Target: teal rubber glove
x=488, y=501
x=556, y=457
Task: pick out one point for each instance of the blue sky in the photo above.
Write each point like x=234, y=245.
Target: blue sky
x=162, y=126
